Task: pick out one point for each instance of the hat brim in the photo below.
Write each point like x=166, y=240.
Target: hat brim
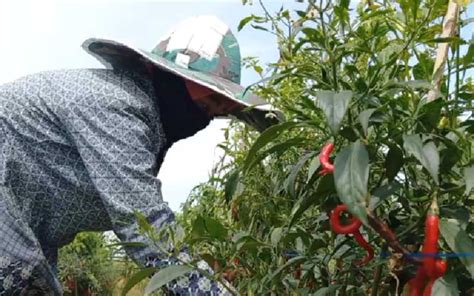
x=108, y=51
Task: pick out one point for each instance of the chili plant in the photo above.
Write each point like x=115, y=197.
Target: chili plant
x=370, y=77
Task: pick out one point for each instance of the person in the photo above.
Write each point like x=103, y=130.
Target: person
x=81, y=148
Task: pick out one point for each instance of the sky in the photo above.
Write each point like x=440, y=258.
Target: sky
x=45, y=35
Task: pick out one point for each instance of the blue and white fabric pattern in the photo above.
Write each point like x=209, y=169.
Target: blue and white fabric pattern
x=80, y=151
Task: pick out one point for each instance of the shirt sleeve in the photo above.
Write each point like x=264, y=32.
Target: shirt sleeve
x=118, y=138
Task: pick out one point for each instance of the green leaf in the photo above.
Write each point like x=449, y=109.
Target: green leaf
x=445, y=286
x=247, y=243
x=462, y=215
x=469, y=56
x=427, y=154
x=245, y=21
x=127, y=245
x=469, y=177
x=351, y=175
x=198, y=229
x=324, y=187
x=313, y=35
x=143, y=223
x=430, y=114
x=231, y=185
x=256, y=27
x=270, y=134
x=258, y=69
x=291, y=262
x=393, y=162
x=278, y=149
x=348, y=133
x=215, y=228
x=276, y=235
x=413, y=84
x=382, y=193
x=138, y=277
x=327, y=291
x=313, y=167
x=334, y=106
x=449, y=156
x=206, y=227
x=166, y=275
x=364, y=117
x=290, y=181
x=458, y=241
x=446, y=40
x=284, y=146
x=424, y=69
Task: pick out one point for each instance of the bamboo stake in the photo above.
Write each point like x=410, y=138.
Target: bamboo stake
x=449, y=30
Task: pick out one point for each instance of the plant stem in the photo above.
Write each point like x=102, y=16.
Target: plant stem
x=321, y=17
x=378, y=274
x=386, y=233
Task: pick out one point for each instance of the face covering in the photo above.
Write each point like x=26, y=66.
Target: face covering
x=180, y=116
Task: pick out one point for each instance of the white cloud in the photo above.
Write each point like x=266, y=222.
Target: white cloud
x=189, y=162
x=23, y=28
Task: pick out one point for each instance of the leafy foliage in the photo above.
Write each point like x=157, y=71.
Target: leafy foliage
x=86, y=264
x=357, y=75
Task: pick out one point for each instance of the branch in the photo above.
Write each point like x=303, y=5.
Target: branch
x=386, y=233
x=449, y=30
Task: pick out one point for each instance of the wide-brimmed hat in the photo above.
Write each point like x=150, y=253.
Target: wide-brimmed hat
x=201, y=49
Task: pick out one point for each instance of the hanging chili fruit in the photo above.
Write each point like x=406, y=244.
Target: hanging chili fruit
x=327, y=166
x=297, y=272
x=417, y=284
x=351, y=228
x=431, y=268
x=434, y=267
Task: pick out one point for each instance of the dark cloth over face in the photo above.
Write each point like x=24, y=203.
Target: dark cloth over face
x=180, y=116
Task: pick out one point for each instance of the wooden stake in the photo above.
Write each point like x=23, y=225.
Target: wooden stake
x=449, y=30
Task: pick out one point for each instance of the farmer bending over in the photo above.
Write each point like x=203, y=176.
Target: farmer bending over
x=81, y=149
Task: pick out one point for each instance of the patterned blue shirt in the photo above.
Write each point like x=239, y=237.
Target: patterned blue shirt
x=81, y=151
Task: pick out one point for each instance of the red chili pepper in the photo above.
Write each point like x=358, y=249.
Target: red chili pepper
x=417, y=284
x=421, y=284
x=324, y=159
x=236, y=261
x=216, y=265
x=430, y=245
x=234, y=211
x=351, y=228
x=297, y=273
x=441, y=267
x=71, y=283
x=432, y=268
x=336, y=224
x=429, y=287
x=311, y=284
x=364, y=244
